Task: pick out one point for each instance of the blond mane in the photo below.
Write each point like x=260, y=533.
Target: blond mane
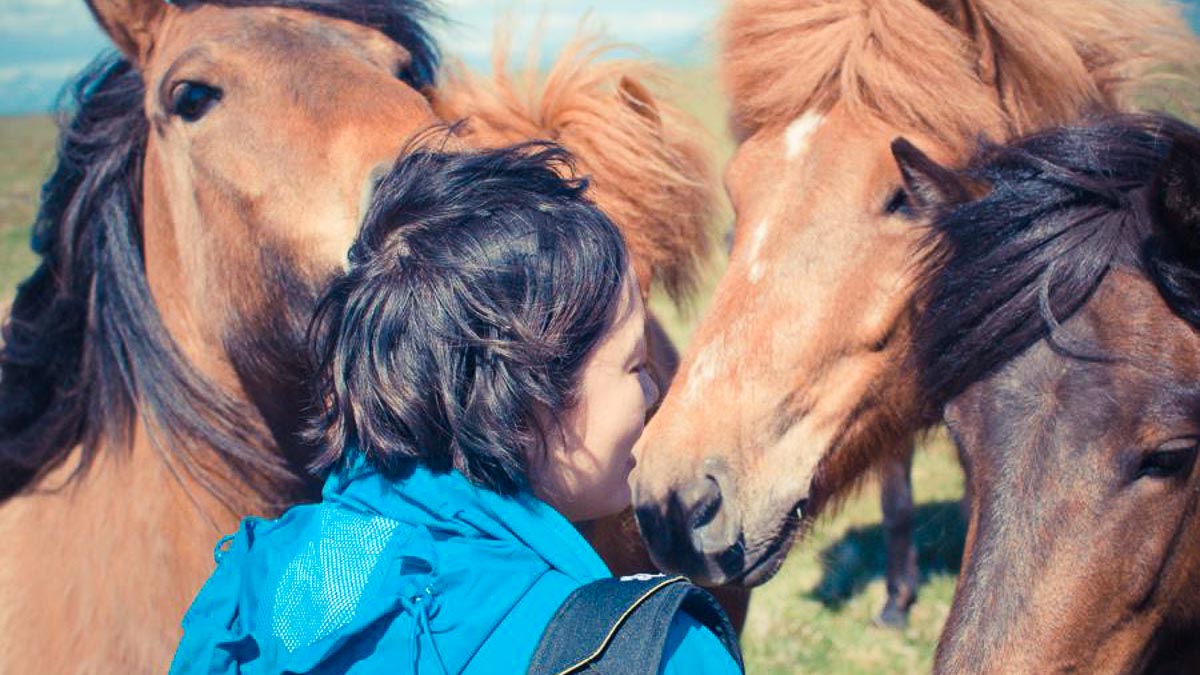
x=949, y=68
x=648, y=166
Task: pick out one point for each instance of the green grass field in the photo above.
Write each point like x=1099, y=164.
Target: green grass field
x=815, y=616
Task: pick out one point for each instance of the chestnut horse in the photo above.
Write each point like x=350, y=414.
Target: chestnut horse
x=1061, y=320
x=793, y=386
x=209, y=182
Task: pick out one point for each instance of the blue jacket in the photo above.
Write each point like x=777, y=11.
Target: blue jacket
x=425, y=575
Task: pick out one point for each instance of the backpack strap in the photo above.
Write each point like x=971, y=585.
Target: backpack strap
x=620, y=625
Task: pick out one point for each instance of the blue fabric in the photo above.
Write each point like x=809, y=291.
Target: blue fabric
x=428, y=574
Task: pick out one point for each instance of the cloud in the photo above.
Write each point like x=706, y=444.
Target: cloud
x=59, y=71
x=45, y=19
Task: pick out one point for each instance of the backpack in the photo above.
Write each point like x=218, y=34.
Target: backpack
x=619, y=626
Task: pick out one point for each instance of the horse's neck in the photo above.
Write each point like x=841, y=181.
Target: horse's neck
x=117, y=553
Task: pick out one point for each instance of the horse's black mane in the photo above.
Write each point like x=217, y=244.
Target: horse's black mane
x=85, y=354
x=1065, y=206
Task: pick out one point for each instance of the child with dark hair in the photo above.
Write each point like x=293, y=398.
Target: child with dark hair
x=481, y=381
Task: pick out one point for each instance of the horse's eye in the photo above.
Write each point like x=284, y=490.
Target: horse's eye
x=898, y=204
x=407, y=72
x=1170, y=459
x=406, y=75
x=191, y=100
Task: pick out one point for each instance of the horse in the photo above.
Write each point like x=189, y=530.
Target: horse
x=208, y=182
x=793, y=385
x=1059, y=323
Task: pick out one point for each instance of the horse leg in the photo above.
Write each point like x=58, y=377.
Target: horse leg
x=902, y=571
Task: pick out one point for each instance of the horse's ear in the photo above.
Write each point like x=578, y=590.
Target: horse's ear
x=931, y=186
x=635, y=95
x=131, y=24
x=968, y=18
x=1175, y=195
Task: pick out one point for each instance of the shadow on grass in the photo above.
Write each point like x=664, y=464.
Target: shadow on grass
x=860, y=556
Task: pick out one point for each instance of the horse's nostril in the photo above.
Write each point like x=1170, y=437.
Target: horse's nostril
x=706, y=503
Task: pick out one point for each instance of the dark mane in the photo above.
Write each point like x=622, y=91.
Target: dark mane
x=1065, y=206
x=85, y=354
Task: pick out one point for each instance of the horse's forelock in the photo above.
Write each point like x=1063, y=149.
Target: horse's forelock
x=1017, y=66
x=1002, y=272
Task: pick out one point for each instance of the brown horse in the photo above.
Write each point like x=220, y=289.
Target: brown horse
x=208, y=183
x=1062, y=321
x=793, y=384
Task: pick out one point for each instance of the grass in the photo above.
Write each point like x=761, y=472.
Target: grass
x=815, y=616
x=27, y=146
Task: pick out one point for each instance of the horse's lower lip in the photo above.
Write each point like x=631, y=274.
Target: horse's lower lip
x=771, y=561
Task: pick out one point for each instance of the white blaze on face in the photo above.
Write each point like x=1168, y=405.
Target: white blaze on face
x=796, y=139
x=798, y=134
x=757, y=238
x=705, y=368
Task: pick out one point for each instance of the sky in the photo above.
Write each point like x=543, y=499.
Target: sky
x=45, y=42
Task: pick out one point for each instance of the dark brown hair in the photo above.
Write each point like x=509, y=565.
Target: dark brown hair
x=478, y=287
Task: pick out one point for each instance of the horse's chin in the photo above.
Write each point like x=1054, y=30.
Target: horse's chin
x=766, y=563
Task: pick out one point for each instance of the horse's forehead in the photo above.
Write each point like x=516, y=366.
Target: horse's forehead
x=1143, y=392
x=1132, y=318
x=814, y=158
x=271, y=35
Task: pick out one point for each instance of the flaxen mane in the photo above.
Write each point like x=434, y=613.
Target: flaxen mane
x=646, y=161
x=948, y=68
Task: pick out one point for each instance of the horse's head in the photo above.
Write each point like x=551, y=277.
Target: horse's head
x=208, y=180
x=267, y=122
x=796, y=354
x=1062, y=322
x=793, y=384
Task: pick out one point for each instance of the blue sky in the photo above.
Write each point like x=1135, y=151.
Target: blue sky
x=44, y=42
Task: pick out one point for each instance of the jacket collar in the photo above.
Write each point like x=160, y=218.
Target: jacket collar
x=451, y=504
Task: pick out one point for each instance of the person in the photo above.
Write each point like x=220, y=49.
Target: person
x=480, y=383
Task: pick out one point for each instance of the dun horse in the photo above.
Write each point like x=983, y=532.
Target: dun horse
x=208, y=183
x=793, y=385
x=1062, y=321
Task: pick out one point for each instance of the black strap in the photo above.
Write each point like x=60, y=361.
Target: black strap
x=620, y=625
